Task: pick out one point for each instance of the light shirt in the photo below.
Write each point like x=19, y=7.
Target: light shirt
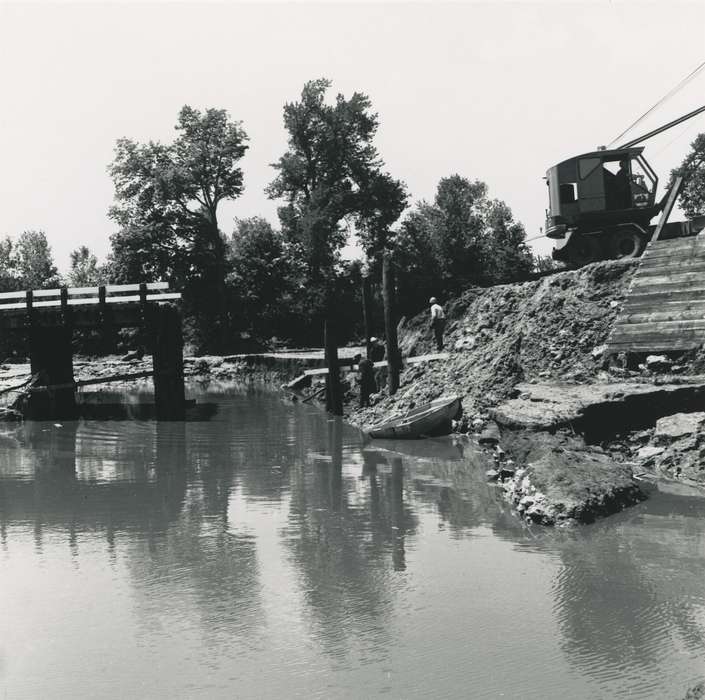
x=437, y=312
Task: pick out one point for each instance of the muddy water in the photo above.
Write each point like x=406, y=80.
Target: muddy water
x=268, y=553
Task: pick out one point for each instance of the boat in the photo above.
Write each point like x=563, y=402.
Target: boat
x=430, y=419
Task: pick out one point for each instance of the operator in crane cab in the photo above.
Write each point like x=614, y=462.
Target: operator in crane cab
x=618, y=186
x=622, y=186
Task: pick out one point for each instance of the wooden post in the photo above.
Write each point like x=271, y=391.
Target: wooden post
x=334, y=394
x=390, y=325
x=51, y=358
x=367, y=312
x=168, y=363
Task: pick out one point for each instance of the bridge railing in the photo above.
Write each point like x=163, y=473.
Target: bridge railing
x=87, y=296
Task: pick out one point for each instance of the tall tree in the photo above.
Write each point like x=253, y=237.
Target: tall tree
x=693, y=168
x=327, y=177
x=166, y=204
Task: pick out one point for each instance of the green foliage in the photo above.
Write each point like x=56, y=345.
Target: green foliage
x=545, y=263
x=27, y=263
x=266, y=277
x=462, y=239
x=692, y=198
x=85, y=271
x=331, y=175
x=166, y=204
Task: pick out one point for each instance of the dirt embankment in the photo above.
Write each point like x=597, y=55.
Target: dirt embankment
x=499, y=336
x=548, y=337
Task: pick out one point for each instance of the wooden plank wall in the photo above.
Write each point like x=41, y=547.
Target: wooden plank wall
x=665, y=308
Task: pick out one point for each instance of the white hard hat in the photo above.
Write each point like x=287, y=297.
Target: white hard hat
x=373, y=339
x=432, y=300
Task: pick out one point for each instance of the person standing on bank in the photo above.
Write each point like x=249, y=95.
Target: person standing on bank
x=368, y=385
x=438, y=322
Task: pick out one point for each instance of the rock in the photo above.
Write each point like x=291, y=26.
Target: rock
x=697, y=692
x=557, y=404
x=657, y=363
x=618, y=371
x=490, y=435
x=565, y=481
x=598, y=352
x=649, y=452
x=507, y=469
x=465, y=343
x=678, y=425
x=492, y=475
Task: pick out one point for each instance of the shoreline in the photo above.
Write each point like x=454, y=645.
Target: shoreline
x=549, y=475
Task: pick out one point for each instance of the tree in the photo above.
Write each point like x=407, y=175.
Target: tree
x=34, y=261
x=330, y=175
x=166, y=204
x=506, y=256
x=462, y=239
x=693, y=168
x=266, y=276
x=85, y=271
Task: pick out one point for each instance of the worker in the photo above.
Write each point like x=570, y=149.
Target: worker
x=622, y=185
x=438, y=322
x=377, y=350
x=368, y=385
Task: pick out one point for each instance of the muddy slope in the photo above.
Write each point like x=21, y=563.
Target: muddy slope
x=500, y=336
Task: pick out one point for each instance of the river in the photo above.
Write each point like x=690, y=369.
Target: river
x=270, y=553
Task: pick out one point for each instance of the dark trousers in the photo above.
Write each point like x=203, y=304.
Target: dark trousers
x=438, y=324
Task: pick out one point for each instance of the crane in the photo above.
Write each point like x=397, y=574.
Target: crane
x=601, y=203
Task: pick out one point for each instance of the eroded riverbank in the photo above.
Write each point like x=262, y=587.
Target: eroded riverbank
x=530, y=357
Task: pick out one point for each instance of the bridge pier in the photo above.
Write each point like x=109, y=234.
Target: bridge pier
x=168, y=364
x=51, y=358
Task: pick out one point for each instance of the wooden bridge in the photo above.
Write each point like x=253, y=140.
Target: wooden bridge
x=48, y=318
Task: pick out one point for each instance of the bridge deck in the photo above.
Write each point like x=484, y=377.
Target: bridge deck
x=82, y=307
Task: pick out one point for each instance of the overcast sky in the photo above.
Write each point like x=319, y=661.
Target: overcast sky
x=495, y=91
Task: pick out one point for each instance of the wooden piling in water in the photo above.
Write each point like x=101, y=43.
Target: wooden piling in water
x=390, y=324
x=168, y=363
x=51, y=360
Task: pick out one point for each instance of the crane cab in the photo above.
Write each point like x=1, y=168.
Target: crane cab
x=600, y=205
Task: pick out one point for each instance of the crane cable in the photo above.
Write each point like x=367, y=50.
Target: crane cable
x=688, y=78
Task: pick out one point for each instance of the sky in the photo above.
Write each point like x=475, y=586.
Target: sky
x=493, y=91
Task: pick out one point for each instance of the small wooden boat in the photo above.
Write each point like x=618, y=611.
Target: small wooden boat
x=430, y=419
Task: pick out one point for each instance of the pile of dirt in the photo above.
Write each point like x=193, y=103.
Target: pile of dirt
x=554, y=327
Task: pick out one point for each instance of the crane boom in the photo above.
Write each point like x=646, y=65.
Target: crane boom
x=675, y=122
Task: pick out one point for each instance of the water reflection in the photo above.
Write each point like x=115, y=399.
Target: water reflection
x=637, y=596
x=272, y=537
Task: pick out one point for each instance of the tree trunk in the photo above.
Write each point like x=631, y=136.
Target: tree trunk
x=334, y=394
x=367, y=312
x=390, y=324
